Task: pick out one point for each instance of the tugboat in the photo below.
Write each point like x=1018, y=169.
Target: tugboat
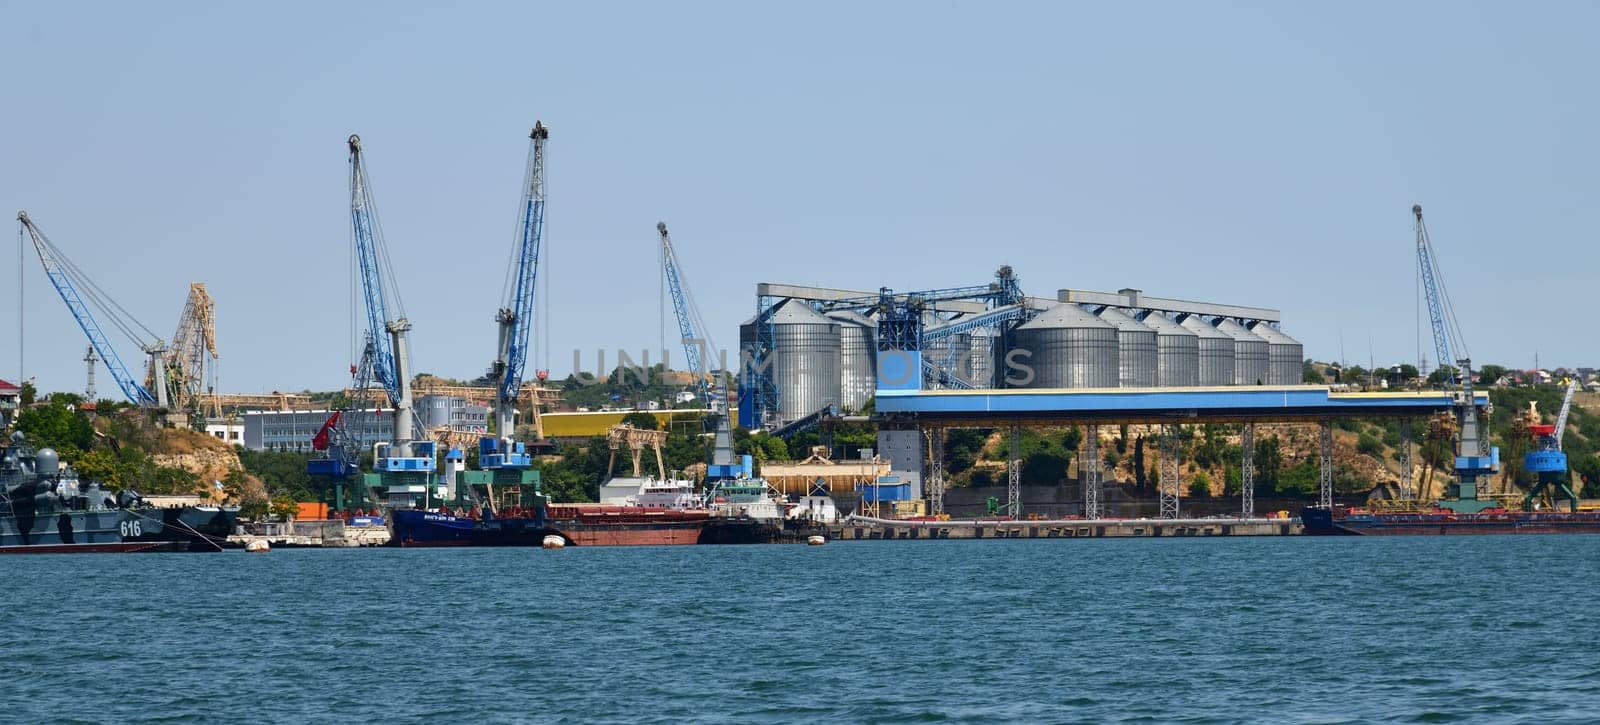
x=46, y=508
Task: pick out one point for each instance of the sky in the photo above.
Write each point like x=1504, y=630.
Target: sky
x=1262, y=154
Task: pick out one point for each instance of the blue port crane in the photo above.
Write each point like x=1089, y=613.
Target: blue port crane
x=515, y=318
x=695, y=336
x=80, y=292
x=387, y=326
x=1473, y=457
x=1547, y=461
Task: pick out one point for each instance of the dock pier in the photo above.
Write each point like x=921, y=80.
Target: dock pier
x=863, y=528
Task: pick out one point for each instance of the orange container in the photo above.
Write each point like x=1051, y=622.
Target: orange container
x=311, y=511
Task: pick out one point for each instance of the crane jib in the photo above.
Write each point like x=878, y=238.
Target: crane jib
x=58, y=277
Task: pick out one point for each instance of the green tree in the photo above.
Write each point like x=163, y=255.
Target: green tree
x=1408, y=372
x=55, y=426
x=29, y=393
x=1311, y=376
x=1370, y=446
x=1140, y=481
x=282, y=507
x=1268, y=462
x=1200, y=486
x=1072, y=438
x=1491, y=373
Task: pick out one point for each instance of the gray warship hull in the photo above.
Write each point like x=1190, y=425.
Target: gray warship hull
x=189, y=528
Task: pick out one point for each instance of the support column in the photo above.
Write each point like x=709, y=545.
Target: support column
x=1168, y=477
x=935, y=471
x=1089, y=472
x=1014, y=474
x=1408, y=485
x=1247, y=471
x=1325, y=490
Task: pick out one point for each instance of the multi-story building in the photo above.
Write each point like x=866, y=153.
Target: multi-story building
x=458, y=414
x=273, y=430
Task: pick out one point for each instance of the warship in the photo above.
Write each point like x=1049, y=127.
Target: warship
x=46, y=508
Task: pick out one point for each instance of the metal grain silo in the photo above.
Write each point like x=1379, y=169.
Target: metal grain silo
x=1068, y=348
x=805, y=360
x=1249, y=353
x=1215, y=351
x=1285, y=355
x=1136, y=349
x=1177, y=352
x=858, y=358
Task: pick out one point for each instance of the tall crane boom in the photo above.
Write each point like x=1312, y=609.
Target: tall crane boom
x=1474, y=457
x=68, y=279
x=388, y=335
x=1566, y=407
x=194, y=347
x=693, y=345
x=516, y=317
x=372, y=265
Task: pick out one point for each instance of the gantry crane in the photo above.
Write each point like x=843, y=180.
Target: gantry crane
x=1473, y=457
x=193, y=352
x=79, y=292
x=515, y=319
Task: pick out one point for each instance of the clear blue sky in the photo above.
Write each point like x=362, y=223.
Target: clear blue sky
x=1264, y=154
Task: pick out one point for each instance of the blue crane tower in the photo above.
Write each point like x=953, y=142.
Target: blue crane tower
x=697, y=346
x=79, y=292
x=515, y=319
x=1473, y=457
x=1547, y=461
x=387, y=331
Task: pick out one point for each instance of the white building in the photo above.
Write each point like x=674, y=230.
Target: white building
x=227, y=429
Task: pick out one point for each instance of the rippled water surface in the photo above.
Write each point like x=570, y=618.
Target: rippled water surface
x=1218, y=630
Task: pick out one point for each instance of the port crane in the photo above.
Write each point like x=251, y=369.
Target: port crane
x=697, y=345
x=387, y=335
x=193, y=352
x=1474, y=457
x=1547, y=460
x=515, y=319
x=79, y=292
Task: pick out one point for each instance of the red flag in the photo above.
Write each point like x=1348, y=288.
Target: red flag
x=320, y=441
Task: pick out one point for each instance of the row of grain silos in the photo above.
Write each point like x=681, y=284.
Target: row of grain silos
x=1068, y=346
x=820, y=359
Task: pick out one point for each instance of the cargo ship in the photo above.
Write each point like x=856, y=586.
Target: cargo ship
x=45, y=508
x=661, y=517
x=1351, y=521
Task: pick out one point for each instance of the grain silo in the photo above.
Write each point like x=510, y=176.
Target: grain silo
x=1136, y=349
x=1215, y=351
x=1067, y=347
x=805, y=360
x=1177, y=352
x=858, y=358
x=1285, y=355
x=1249, y=353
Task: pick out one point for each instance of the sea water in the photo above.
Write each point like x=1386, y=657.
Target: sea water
x=1423, y=629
